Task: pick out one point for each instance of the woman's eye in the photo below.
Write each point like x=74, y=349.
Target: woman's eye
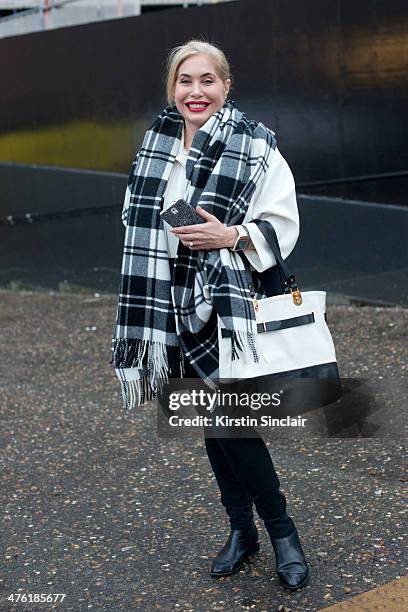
x=208, y=82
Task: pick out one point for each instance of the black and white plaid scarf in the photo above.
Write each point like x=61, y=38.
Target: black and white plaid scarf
x=161, y=315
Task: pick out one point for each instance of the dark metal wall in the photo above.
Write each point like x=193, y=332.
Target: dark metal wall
x=329, y=76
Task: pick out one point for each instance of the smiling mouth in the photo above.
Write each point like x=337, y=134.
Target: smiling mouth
x=197, y=105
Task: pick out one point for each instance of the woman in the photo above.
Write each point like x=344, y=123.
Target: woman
x=175, y=282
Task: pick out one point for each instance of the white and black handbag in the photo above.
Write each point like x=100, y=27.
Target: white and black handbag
x=293, y=338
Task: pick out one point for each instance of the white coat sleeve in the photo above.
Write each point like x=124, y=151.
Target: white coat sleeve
x=275, y=200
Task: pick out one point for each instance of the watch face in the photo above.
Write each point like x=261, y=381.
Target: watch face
x=241, y=243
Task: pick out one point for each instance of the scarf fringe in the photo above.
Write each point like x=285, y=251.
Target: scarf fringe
x=136, y=392
x=156, y=360
x=157, y=364
x=128, y=352
x=242, y=341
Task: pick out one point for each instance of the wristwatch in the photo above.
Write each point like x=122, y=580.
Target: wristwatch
x=242, y=240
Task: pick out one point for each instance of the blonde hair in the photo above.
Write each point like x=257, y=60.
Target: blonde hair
x=190, y=48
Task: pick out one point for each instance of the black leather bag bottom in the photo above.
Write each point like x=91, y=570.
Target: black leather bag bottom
x=299, y=390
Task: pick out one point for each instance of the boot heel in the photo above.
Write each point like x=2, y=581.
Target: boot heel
x=291, y=565
x=235, y=552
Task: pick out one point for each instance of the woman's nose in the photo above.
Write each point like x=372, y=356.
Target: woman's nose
x=196, y=88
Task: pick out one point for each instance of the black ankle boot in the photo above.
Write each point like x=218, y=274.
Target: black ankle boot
x=241, y=544
x=291, y=564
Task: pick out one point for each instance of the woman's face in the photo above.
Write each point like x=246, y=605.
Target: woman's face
x=197, y=82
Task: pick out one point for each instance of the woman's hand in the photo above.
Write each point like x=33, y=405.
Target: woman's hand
x=209, y=235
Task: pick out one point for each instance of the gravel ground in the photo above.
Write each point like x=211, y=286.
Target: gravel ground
x=97, y=507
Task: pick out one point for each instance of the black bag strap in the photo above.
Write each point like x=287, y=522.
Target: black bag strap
x=288, y=279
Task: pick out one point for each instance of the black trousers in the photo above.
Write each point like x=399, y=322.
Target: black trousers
x=246, y=475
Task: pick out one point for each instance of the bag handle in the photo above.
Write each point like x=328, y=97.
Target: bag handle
x=288, y=278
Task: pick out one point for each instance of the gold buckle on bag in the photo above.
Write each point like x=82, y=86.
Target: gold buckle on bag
x=255, y=303
x=297, y=297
